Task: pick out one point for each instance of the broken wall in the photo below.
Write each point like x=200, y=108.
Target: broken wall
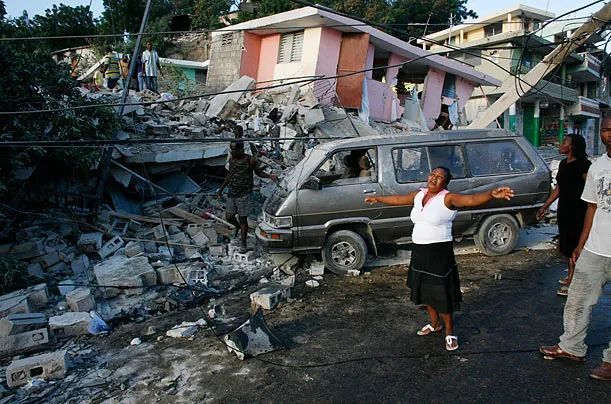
x=225, y=60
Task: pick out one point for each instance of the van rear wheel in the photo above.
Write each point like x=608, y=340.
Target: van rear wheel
x=497, y=235
x=344, y=251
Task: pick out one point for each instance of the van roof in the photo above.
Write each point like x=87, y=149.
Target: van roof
x=418, y=137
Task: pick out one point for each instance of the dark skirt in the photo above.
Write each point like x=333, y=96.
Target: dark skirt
x=433, y=277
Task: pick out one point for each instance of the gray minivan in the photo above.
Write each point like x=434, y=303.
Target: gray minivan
x=319, y=205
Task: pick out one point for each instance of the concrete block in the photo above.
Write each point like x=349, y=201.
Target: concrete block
x=179, y=237
x=35, y=270
x=216, y=250
x=243, y=258
x=38, y=295
x=200, y=239
x=317, y=269
x=194, y=228
x=133, y=248
x=48, y=260
x=23, y=322
x=90, y=242
x=24, y=342
x=159, y=232
x=58, y=268
x=122, y=271
x=111, y=246
x=80, y=299
x=14, y=305
x=269, y=296
x=48, y=366
x=66, y=286
x=80, y=265
x=69, y=324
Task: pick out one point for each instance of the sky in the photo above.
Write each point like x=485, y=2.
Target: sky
x=481, y=7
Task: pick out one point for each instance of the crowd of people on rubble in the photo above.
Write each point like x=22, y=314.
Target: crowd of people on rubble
x=114, y=71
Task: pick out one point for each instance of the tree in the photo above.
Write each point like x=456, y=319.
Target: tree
x=431, y=11
x=207, y=13
x=64, y=20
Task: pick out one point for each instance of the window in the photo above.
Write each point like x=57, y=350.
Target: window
x=226, y=39
x=348, y=167
x=411, y=164
x=450, y=157
x=291, y=46
x=493, y=29
x=494, y=158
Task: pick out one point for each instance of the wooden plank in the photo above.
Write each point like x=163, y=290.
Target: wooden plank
x=352, y=58
x=183, y=214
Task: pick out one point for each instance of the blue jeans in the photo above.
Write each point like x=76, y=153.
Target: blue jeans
x=151, y=83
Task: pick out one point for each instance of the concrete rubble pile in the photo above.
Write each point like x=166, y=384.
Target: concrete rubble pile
x=134, y=259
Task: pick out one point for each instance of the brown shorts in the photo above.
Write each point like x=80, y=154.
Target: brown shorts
x=242, y=205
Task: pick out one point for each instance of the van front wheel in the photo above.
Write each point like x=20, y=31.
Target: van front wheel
x=344, y=251
x=497, y=235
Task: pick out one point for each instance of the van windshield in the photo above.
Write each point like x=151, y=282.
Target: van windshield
x=302, y=170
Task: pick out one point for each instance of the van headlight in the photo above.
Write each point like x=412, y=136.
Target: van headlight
x=277, y=222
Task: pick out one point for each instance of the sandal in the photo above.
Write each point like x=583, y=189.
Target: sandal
x=428, y=329
x=451, y=342
x=555, y=352
x=563, y=281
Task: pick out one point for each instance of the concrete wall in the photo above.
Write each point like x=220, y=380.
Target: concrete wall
x=326, y=64
x=225, y=62
x=309, y=56
x=431, y=97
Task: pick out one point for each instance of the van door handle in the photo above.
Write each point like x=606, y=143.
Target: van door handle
x=369, y=191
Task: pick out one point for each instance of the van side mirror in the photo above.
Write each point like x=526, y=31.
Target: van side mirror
x=312, y=183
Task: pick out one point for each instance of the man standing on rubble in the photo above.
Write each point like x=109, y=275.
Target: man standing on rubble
x=150, y=67
x=593, y=264
x=239, y=183
x=110, y=68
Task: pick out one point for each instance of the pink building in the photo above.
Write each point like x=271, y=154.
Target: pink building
x=313, y=43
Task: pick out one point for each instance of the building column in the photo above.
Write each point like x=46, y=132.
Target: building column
x=536, y=123
x=512, y=117
x=561, y=125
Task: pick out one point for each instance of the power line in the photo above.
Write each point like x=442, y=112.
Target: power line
x=229, y=29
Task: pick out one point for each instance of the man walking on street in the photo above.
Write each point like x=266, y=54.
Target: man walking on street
x=593, y=264
x=150, y=67
x=239, y=182
x=111, y=68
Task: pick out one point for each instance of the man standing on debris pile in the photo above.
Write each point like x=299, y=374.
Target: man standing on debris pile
x=111, y=68
x=150, y=67
x=239, y=183
x=592, y=258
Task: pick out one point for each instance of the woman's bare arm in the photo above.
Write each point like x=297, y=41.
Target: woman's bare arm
x=395, y=200
x=453, y=201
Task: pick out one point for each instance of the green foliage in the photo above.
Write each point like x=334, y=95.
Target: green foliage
x=207, y=13
x=13, y=275
x=33, y=81
x=63, y=20
x=432, y=11
x=175, y=82
x=126, y=15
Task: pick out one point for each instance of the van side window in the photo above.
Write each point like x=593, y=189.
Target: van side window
x=348, y=167
x=450, y=157
x=411, y=164
x=493, y=158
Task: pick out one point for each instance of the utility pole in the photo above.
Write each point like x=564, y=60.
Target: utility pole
x=547, y=65
x=107, y=154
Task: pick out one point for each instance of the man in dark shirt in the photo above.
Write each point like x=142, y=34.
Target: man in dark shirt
x=239, y=184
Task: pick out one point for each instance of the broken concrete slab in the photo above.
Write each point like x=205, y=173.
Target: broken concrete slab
x=69, y=324
x=252, y=338
x=22, y=322
x=48, y=260
x=48, y=366
x=80, y=299
x=33, y=340
x=185, y=329
x=233, y=92
x=80, y=265
x=200, y=239
x=119, y=271
x=35, y=270
x=310, y=118
x=133, y=248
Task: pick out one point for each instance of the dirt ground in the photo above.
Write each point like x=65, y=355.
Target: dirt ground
x=354, y=339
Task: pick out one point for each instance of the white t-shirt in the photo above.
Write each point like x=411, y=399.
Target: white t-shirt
x=433, y=222
x=598, y=191
x=150, y=61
